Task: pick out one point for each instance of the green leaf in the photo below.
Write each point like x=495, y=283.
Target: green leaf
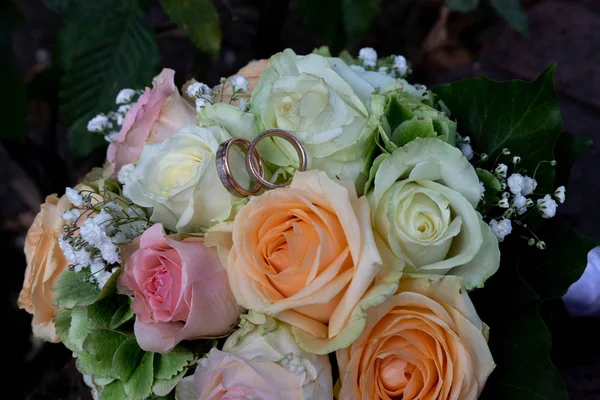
x=119, y=52
x=113, y=391
x=512, y=11
x=517, y=115
x=139, y=385
x=62, y=324
x=74, y=289
x=520, y=345
x=198, y=19
x=320, y=16
x=127, y=358
x=110, y=286
x=488, y=179
x=79, y=328
x=122, y=315
x=464, y=6
x=102, y=344
x=168, y=365
x=88, y=364
x=162, y=387
x=102, y=312
x=358, y=16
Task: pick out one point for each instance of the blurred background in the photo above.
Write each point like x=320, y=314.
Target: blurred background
x=63, y=61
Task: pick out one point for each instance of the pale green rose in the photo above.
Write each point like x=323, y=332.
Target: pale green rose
x=423, y=200
x=332, y=111
x=178, y=179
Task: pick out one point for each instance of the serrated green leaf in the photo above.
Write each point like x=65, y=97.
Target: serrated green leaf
x=102, y=344
x=139, y=385
x=521, y=116
x=358, y=16
x=512, y=11
x=122, y=315
x=321, y=17
x=74, y=289
x=168, y=365
x=87, y=364
x=119, y=52
x=102, y=311
x=79, y=328
x=162, y=387
x=462, y=5
x=524, y=371
x=198, y=19
x=62, y=324
x=127, y=358
x=113, y=391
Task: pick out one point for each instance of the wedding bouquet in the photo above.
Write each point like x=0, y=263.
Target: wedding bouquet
x=313, y=227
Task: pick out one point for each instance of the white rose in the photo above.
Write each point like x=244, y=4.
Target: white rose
x=178, y=179
x=328, y=106
x=423, y=208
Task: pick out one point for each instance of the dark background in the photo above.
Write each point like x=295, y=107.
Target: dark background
x=440, y=45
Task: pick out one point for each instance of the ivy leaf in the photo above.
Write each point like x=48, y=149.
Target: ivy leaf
x=358, y=16
x=119, y=52
x=168, y=365
x=113, y=391
x=126, y=359
x=520, y=348
x=512, y=11
x=464, y=6
x=162, y=387
x=74, y=289
x=198, y=19
x=139, y=385
x=514, y=115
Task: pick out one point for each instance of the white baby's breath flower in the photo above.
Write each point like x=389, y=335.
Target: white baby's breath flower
x=243, y=104
x=501, y=170
x=559, y=193
x=74, y=197
x=466, y=149
x=201, y=103
x=124, y=109
x=547, y=206
x=67, y=249
x=516, y=182
x=98, y=123
x=111, y=137
x=357, y=68
x=82, y=258
x=70, y=215
x=529, y=185
x=481, y=189
x=501, y=228
x=400, y=65
x=503, y=203
x=124, y=172
x=368, y=56
x=198, y=89
x=102, y=277
x=383, y=70
x=125, y=96
x=519, y=203
x=239, y=84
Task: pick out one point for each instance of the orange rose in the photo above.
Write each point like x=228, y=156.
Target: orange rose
x=45, y=261
x=307, y=256
x=251, y=72
x=426, y=342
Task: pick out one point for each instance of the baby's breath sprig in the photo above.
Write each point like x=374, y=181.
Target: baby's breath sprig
x=109, y=124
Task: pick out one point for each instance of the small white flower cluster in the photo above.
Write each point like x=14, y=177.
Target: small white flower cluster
x=394, y=66
x=109, y=124
x=201, y=92
x=517, y=199
x=95, y=230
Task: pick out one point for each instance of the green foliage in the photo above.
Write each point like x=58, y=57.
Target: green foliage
x=524, y=116
x=512, y=11
x=322, y=17
x=74, y=289
x=359, y=16
x=198, y=19
x=120, y=51
x=113, y=391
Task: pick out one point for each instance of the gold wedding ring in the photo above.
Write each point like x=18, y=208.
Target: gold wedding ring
x=224, y=171
x=253, y=162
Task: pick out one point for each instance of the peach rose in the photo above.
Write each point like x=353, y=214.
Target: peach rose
x=180, y=290
x=307, y=256
x=45, y=261
x=251, y=72
x=157, y=114
x=224, y=376
x=426, y=342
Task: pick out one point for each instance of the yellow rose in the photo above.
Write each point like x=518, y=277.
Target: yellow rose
x=426, y=342
x=307, y=256
x=45, y=261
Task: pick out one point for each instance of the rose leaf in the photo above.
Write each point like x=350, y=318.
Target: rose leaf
x=168, y=365
x=126, y=359
x=139, y=384
x=113, y=391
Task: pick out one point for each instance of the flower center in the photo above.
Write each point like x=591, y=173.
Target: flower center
x=157, y=287
x=395, y=373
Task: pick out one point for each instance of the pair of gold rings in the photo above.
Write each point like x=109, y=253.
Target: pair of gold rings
x=254, y=162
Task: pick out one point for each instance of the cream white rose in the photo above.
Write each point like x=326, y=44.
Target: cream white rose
x=328, y=106
x=178, y=179
x=423, y=204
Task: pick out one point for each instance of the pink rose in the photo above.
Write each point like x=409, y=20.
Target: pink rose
x=224, y=376
x=158, y=114
x=180, y=290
